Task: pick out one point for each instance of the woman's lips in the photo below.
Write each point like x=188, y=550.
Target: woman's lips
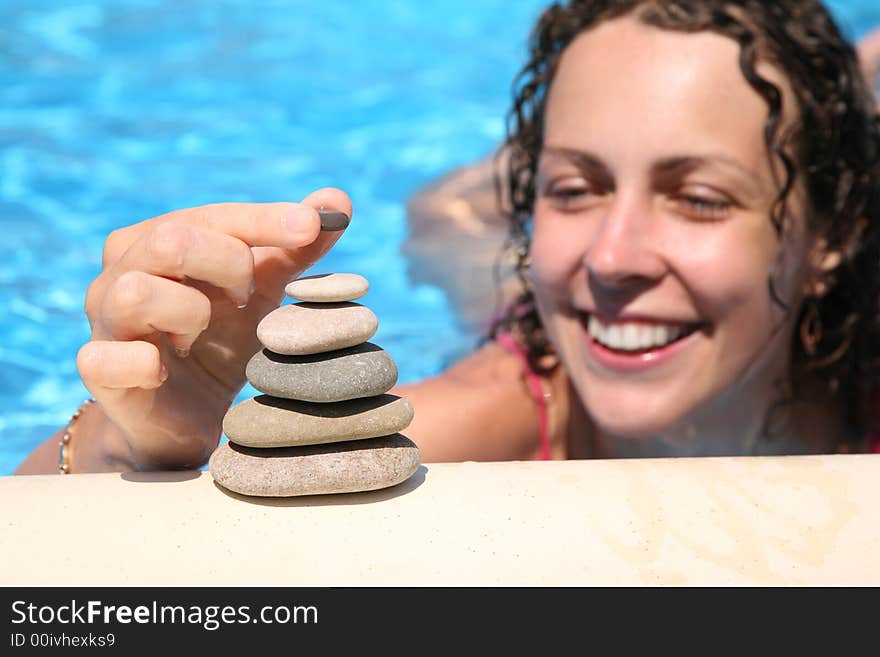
x=635, y=345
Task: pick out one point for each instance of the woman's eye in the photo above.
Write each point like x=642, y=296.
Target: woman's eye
x=704, y=207
x=569, y=193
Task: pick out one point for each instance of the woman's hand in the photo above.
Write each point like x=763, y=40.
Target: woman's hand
x=174, y=315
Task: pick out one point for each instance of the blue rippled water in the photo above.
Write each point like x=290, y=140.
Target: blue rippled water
x=113, y=111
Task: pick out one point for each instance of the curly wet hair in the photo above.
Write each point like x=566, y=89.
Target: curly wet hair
x=834, y=149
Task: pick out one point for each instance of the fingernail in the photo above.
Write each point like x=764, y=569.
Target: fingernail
x=181, y=352
x=163, y=373
x=241, y=294
x=331, y=220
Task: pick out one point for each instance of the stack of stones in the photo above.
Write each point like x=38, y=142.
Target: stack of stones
x=325, y=423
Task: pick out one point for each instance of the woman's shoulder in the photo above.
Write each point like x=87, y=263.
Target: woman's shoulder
x=486, y=407
x=563, y=426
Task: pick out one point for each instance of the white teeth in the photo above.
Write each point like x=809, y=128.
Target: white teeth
x=661, y=334
x=614, y=336
x=632, y=336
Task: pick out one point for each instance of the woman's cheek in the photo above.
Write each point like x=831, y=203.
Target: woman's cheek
x=555, y=256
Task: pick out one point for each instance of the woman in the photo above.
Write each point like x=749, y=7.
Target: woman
x=694, y=199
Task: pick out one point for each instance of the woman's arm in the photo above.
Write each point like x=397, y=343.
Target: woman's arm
x=96, y=445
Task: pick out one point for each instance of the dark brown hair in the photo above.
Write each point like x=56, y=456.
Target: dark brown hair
x=834, y=149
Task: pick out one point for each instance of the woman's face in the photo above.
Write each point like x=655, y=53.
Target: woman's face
x=653, y=246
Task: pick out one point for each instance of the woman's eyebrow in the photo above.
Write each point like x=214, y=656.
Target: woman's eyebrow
x=583, y=160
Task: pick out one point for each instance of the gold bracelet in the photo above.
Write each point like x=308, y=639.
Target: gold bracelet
x=64, y=443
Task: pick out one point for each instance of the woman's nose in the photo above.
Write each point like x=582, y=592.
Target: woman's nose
x=623, y=253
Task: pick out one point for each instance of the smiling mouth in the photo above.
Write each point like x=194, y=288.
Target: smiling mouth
x=635, y=337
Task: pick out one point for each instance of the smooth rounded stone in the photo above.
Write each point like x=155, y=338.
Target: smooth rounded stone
x=362, y=371
x=301, y=329
x=348, y=467
x=266, y=421
x=324, y=288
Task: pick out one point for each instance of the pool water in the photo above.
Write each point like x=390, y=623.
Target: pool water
x=113, y=111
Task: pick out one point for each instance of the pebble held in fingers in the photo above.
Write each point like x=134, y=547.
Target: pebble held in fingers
x=364, y=370
x=349, y=467
x=301, y=329
x=325, y=288
x=333, y=221
x=266, y=421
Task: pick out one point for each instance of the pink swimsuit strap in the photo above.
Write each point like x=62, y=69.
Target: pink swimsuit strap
x=533, y=380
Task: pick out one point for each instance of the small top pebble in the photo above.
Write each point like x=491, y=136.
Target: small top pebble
x=328, y=288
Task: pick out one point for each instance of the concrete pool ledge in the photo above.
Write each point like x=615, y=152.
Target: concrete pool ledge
x=797, y=520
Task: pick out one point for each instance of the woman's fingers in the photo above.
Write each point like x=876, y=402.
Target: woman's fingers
x=280, y=266
x=106, y=366
x=138, y=304
x=190, y=243
x=144, y=289
x=284, y=225
x=330, y=201
x=127, y=379
x=180, y=250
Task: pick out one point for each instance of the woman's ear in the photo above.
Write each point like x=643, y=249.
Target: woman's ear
x=823, y=263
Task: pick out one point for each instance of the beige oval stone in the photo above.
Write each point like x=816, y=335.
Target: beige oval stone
x=301, y=329
x=266, y=421
x=348, y=467
x=324, y=288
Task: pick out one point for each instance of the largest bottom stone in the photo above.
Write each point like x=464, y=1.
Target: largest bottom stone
x=346, y=467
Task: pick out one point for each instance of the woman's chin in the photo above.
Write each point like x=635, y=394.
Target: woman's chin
x=644, y=406
x=636, y=421
x=634, y=429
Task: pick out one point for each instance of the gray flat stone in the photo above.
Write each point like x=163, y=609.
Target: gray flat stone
x=324, y=288
x=349, y=467
x=362, y=371
x=272, y=422
x=301, y=329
